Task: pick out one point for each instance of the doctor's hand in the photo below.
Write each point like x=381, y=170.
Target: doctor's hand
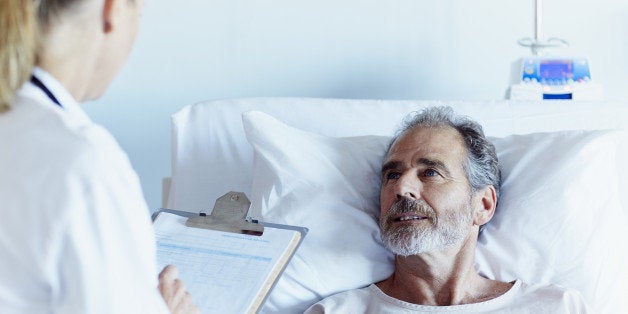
x=173, y=291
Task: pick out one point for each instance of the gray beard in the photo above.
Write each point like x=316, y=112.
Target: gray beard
x=440, y=233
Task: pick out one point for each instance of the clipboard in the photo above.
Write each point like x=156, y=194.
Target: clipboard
x=228, y=262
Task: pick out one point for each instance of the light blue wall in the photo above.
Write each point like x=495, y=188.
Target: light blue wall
x=194, y=50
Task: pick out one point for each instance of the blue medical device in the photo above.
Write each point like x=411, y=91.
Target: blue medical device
x=552, y=71
x=541, y=77
x=555, y=78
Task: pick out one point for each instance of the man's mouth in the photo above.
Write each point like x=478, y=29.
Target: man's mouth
x=408, y=217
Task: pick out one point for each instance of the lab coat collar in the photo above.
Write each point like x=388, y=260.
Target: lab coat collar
x=69, y=104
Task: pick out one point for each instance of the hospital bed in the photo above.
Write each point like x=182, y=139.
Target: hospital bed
x=562, y=216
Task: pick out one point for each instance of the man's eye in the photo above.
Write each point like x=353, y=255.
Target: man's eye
x=392, y=175
x=430, y=173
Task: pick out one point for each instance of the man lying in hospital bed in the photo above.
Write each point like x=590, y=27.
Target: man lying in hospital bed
x=559, y=220
x=440, y=186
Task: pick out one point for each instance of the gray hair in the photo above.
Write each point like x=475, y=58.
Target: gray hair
x=481, y=165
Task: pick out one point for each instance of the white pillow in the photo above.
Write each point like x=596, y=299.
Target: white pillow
x=559, y=219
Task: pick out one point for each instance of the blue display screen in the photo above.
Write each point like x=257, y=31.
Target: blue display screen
x=556, y=69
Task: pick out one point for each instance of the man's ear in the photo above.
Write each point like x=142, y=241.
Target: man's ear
x=485, y=202
x=107, y=16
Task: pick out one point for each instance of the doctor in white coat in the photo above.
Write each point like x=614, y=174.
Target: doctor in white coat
x=75, y=235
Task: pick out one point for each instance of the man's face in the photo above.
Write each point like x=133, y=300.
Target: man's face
x=425, y=197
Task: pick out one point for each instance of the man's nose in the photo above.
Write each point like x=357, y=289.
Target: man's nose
x=408, y=186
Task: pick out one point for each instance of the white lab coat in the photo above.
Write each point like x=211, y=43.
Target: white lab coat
x=75, y=233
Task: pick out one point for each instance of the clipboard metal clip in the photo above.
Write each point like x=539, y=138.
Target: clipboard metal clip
x=229, y=214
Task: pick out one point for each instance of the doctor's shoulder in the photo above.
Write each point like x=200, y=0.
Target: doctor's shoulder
x=53, y=152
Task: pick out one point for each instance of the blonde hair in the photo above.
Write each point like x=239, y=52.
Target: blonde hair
x=18, y=42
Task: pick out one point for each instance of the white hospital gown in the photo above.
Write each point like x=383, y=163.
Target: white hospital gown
x=521, y=298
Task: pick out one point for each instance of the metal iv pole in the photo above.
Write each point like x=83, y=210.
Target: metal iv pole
x=538, y=45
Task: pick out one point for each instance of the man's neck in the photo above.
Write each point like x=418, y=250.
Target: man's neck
x=446, y=277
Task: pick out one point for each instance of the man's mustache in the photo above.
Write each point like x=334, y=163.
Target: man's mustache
x=406, y=205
